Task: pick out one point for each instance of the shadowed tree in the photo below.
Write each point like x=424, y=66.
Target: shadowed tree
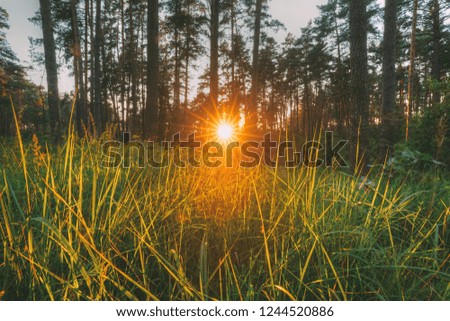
x=99, y=114
x=151, y=109
x=176, y=24
x=132, y=61
x=411, y=69
x=252, y=114
x=390, y=123
x=358, y=23
x=80, y=71
x=51, y=66
x=436, y=65
x=214, y=55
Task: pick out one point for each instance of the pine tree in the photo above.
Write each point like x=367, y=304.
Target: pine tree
x=358, y=27
x=51, y=66
x=151, y=112
x=214, y=56
x=252, y=113
x=390, y=123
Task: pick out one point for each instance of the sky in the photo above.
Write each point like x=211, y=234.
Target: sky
x=295, y=14
x=21, y=29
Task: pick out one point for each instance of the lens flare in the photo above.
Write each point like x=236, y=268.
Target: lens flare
x=225, y=132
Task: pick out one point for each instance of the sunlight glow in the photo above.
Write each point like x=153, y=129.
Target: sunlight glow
x=225, y=132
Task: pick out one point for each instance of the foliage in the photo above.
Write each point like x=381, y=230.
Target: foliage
x=430, y=132
x=407, y=161
x=14, y=85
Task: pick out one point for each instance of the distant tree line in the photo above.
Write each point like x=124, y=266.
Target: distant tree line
x=376, y=75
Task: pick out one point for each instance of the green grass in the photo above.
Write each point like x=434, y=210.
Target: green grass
x=72, y=230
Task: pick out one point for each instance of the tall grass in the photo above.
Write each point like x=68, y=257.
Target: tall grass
x=72, y=230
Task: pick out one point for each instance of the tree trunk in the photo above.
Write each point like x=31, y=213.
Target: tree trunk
x=151, y=113
x=123, y=63
x=98, y=110
x=51, y=66
x=91, y=67
x=78, y=69
x=177, y=81
x=85, y=74
x=253, y=110
x=214, y=56
x=133, y=76
x=186, y=66
x=106, y=113
x=359, y=73
x=234, y=108
x=411, y=69
x=340, y=71
x=388, y=112
x=436, y=67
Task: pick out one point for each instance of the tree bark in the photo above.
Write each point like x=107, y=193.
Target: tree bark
x=436, y=65
x=133, y=76
x=177, y=80
x=412, y=68
x=234, y=108
x=81, y=98
x=359, y=73
x=388, y=112
x=98, y=110
x=123, y=63
x=214, y=56
x=51, y=66
x=253, y=110
x=151, y=112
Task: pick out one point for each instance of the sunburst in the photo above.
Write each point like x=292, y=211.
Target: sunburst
x=225, y=131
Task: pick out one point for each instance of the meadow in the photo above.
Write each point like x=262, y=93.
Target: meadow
x=73, y=230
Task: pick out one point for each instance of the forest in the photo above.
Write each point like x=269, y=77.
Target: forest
x=376, y=74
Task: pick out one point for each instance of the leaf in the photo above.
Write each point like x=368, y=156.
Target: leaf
x=408, y=154
x=435, y=162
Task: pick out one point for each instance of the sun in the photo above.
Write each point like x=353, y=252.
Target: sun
x=225, y=131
